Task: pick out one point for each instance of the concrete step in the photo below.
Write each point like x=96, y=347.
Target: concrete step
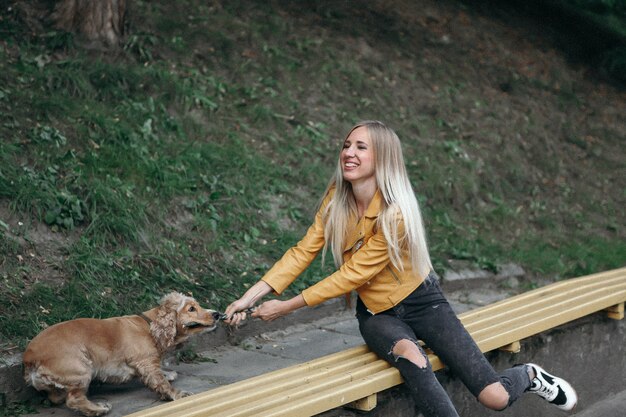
x=612, y=406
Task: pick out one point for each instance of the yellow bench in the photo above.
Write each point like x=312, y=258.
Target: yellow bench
x=354, y=376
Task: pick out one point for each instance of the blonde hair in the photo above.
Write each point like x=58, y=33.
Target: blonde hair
x=399, y=203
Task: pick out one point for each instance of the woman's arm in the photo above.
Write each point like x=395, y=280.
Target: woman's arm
x=281, y=275
x=364, y=265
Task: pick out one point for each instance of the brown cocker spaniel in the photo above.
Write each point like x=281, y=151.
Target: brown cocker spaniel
x=63, y=359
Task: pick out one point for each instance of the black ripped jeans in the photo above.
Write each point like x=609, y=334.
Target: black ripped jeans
x=426, y=315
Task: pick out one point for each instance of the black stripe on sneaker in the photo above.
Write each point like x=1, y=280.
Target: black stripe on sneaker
x=548, y=378
x=561, y=398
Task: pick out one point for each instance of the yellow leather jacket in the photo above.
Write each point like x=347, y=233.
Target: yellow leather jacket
x=366, y=268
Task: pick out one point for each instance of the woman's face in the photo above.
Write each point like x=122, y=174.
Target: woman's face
x=357, y=156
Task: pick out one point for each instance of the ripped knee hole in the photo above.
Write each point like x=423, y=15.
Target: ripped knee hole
x=409, y=350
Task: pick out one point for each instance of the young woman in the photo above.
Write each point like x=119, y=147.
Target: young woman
x=370, y=221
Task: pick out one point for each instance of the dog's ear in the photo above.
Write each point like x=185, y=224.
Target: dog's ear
x=163, y=328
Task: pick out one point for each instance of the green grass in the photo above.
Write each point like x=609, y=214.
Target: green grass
x=15, y=408
x=193, y=157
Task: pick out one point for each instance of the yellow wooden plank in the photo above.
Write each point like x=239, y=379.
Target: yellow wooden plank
x=493, y=340
x=280, y=386
x=543, y=293
x=528, y=312
x=249, y=385
x=257, y=408
x=593, y=296
x=546, y=295
x=511, y=330
x=270, y=383
x=337, y=397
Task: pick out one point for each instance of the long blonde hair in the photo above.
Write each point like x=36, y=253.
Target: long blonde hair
x=399, y=204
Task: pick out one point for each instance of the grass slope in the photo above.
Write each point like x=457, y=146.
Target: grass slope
x=193, y=157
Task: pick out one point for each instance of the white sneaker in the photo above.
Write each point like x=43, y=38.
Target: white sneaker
x=553, y=389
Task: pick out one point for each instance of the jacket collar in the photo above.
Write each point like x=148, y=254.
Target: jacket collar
x=375, y=207
x=357, y=232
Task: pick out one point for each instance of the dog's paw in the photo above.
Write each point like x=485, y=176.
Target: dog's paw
x=106, y=406
x=170, y=375
x=175, y=395
x=100, y=408
x=182, y=394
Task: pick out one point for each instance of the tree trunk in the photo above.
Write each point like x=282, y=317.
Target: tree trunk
x=97, y=20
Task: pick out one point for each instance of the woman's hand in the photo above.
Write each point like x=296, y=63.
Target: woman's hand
x=273, y=309
x=270, y=310
x=235, y=312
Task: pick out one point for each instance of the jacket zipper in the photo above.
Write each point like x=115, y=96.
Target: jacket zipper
x=394, y=275
x=357, y=245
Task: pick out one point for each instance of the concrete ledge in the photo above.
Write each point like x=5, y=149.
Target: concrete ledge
x=462, y=276
x=12, y=385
